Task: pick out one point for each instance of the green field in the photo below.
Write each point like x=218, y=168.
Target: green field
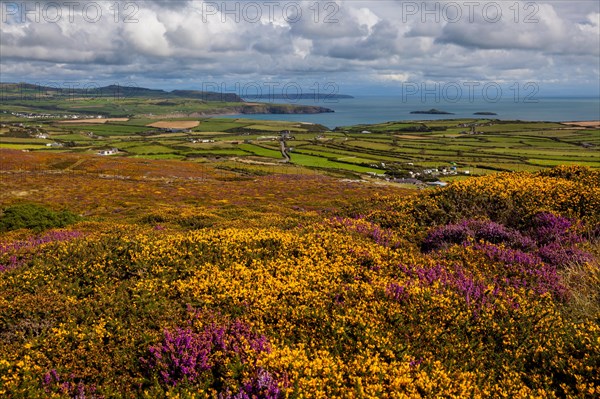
x=13, y=146
x=395, y=148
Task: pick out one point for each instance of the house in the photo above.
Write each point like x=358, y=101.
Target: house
x=110, y=151
x=201, y=141
x=54, y=145
x=366, y=132
x=438, y=183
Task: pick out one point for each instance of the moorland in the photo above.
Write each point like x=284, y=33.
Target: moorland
x=198, y=261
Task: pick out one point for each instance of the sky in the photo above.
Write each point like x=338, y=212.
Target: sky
x=348, y=47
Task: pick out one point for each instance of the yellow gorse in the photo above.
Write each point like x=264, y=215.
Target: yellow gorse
x=350, y=305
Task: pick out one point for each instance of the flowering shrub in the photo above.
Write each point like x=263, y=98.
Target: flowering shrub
x=549, y=238
x=206, y=356
x=547, y=245
x=352, y=305
x=474, y=231
x=381, y=236
x=183, y=356
x=510, y=199
x=398, y=292
x=262, y=386
x=559, y=255
x=18, y=253
x=53, y=383
x=549, y=228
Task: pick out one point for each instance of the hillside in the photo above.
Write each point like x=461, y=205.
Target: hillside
x=27, y=91
x=414, y=152
x=126, y=101
x=146, y=278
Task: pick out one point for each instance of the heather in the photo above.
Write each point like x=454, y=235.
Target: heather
x=306, y=288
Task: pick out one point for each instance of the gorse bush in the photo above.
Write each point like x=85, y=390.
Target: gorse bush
x=511, y=199
x=424, y=296
x=35, y=217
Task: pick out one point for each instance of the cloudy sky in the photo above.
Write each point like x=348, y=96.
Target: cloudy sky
x=359, y=46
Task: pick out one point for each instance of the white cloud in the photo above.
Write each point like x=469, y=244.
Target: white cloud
x=148, y=36
x=395, y=77
x=537, y=29
x=371, y=41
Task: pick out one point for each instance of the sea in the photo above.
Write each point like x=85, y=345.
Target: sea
x=379, y=109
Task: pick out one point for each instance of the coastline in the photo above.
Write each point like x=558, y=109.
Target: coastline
x=381, y=109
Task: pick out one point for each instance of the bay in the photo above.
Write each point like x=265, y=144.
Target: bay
x=378, y=109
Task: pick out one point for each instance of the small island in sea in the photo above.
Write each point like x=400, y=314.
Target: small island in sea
x=432, y=111
x=485, y=113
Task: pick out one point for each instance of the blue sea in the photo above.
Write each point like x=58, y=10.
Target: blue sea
x=378, y=109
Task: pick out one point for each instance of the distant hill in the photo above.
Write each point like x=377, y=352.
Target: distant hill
x=207, y=95
x=42, y=100
x=26, y=91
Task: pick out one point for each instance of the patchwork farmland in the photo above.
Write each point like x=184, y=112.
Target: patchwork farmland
x=394, y=149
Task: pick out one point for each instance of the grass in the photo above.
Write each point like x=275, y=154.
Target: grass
x=320, y=162
x=160, y=156
x=261, y=151
x=108, y=129
x=23, y=146
x=585, y=280
x=20, y=140
x=219, y=151
x=551, y=162
x=72, y=137
x=217, y=125
x=149, y=150
x=274, y=128
x=504, y=145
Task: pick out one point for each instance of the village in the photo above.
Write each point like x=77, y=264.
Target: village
x=34, y=115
